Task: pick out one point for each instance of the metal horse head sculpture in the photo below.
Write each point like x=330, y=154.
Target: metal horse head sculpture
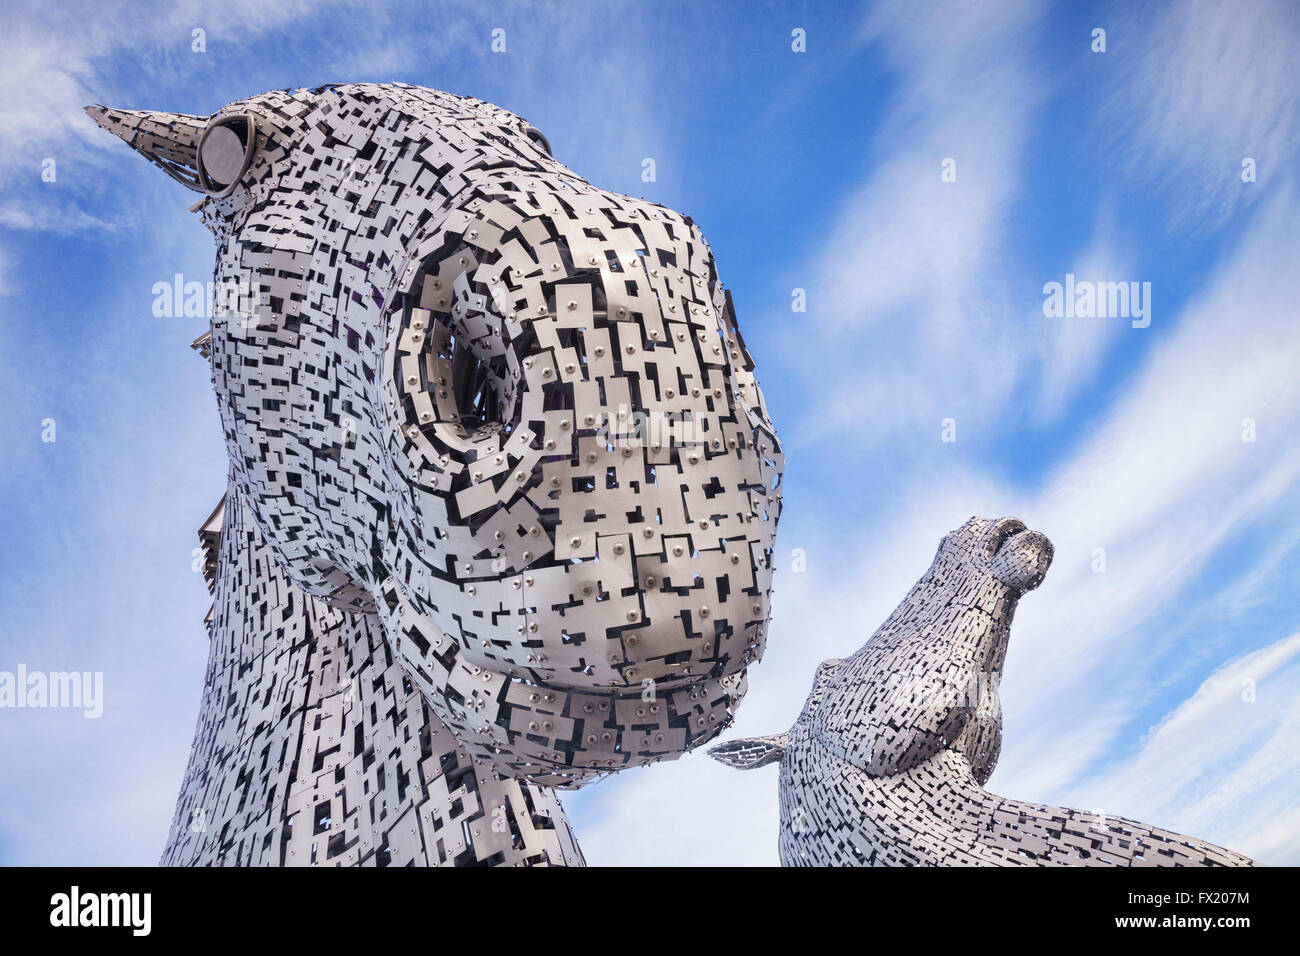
x=504, y=415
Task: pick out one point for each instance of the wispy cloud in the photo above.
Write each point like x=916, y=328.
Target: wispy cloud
x=1222, y=763
x=914, y=287
x=1071, y=349
x=1198, y=88
x=1163, y=483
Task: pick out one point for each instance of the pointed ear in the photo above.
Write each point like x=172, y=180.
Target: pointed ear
x=750, y=752
x=168, y=140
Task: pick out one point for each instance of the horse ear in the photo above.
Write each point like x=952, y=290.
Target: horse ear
x=168, y=140
x=750, y=752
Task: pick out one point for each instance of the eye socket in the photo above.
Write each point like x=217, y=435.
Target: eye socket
x=225, y=152
x=535, y=134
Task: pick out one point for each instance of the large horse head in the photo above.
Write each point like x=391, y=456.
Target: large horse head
x=506, y=411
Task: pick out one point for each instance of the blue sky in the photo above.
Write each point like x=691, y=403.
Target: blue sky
x=818, y=171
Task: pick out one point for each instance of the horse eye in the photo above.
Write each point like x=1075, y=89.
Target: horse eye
x=225, y=152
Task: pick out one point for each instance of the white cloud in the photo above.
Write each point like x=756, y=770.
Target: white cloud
x=1263, y=577
x=1222, y=764
x=54, y=61
x=1070, y=350
x=911, y=265
x=1200, y=86
x=1163, y=482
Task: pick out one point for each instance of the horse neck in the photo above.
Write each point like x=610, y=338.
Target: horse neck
x=313, y=747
